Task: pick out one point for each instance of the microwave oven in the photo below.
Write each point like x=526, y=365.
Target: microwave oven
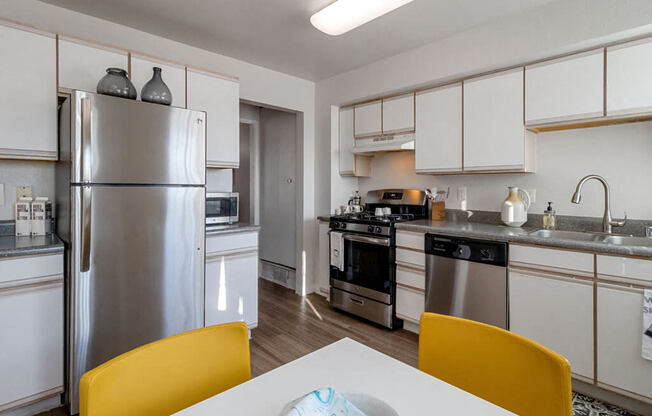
x=222, y=208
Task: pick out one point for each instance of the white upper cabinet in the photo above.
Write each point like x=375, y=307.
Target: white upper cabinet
x=494, y=135
x=28, y=109
x=398, y=114
x=350, y=163
x=346, y=142
x=629, y=78
x=368, y=119
x=563, y=89
x=173, y=75
x=82, y=65
x=220, y=98
x=438, y=146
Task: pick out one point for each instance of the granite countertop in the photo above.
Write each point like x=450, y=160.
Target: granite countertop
x=26, y=246
x=324, y=217
x=457, y=226
x=239, y=227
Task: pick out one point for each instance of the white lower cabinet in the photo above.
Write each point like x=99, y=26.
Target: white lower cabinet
x=556, y=312
x=323, y=283
x=32, y=330
x=231, y=291
x=619, y=337
x=410, y=303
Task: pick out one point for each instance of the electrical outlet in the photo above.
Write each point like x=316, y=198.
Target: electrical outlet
x=461, y=193
x=23, y=192
x=533, y=195
x=2, y=194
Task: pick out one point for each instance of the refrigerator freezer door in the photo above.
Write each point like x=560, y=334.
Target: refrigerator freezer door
x=145, y=277
x=120, y=141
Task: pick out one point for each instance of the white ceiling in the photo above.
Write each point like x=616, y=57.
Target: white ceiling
x=277, y=34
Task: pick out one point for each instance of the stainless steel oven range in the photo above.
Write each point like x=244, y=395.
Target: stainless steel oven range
x=363, y=251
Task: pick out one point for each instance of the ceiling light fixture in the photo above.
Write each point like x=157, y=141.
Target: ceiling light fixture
x=343, y=15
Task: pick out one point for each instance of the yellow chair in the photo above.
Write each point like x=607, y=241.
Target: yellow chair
x=168, y=375
x=499, y=366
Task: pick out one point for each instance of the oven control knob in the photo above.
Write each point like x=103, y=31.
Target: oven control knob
x=379, y=230
x=370, y=228
x=343, y=225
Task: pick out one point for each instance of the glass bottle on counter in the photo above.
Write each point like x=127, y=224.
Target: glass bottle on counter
x=549, y=218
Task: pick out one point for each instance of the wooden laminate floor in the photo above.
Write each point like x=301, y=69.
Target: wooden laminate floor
x=290, y=327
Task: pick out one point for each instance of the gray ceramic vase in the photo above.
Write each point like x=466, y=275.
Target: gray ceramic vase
x=155, y=91
x=116, y=83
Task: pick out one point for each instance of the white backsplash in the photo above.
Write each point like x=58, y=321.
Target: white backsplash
x=38, y=175
x=621, y=153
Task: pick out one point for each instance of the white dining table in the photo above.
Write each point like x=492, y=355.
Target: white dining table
x=347, y=366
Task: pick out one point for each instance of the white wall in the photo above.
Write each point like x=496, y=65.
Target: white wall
x=620, y=153
x=257, y=84
x=552, y=29
x=13, y=173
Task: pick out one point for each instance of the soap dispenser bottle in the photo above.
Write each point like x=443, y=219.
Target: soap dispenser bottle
x=549, y=219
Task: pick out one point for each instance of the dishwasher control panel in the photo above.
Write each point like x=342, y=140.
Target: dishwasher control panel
x=480, y=251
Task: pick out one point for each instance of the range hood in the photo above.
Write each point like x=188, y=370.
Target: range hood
x=394, y=143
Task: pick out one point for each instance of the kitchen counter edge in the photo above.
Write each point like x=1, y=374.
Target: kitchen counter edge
x=12, y=246
x=518, y=235
x=232, y=228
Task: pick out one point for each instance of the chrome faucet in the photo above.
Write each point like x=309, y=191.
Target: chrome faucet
x=607, y=220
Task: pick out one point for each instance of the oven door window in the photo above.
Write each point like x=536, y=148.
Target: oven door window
x=218, y=207
x=367, y=265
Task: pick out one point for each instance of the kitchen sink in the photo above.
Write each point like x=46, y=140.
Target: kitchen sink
x=623, y=240
x=568, y=235
x=616, y=239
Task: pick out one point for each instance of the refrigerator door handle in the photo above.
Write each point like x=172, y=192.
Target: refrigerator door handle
x=86, y=228
x=87, y=143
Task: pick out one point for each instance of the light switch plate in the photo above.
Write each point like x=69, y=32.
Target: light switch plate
x=2, y=194
x=23, y=192
x=461, y=193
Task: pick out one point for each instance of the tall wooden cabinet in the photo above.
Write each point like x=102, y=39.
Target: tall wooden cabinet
x=28, y=80
x=220, y=98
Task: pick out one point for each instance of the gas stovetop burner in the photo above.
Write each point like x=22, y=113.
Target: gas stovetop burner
x=371, y=217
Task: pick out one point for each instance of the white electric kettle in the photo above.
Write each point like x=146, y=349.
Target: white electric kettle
x=514, y=209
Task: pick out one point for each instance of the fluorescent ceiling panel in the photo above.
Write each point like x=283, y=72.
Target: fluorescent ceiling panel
x=344, y=15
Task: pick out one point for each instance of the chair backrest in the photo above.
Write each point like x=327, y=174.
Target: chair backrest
x=499, y=366
x=168, y=375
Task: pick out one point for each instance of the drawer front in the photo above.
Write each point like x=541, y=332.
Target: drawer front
x=410, y=304
x=13, y=270
x=410, y=257
x=610, y=267
x=409, y=239
x=231, y=242
x=551, y=259
x=410, y=277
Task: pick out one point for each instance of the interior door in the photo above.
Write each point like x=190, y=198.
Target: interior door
x=126, y=141
x=278, y=191
x=138, y=273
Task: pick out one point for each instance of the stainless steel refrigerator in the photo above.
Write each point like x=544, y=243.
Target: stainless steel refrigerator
x=130, y=204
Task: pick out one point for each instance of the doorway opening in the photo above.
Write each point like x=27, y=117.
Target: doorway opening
x=267, y=185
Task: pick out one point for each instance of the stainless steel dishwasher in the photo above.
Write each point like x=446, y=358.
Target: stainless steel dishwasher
x=467, y=278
